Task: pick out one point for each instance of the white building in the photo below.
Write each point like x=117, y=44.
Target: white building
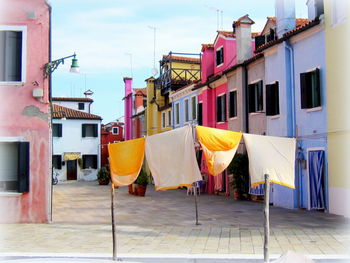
x=76, y=139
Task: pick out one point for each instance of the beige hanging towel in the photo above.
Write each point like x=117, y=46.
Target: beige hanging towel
x=271, y=155
x=125, y=160
x=171, y=158
x=219, y=147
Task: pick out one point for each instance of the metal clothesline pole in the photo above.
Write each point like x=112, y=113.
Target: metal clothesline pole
x=266, y=219
x=195, y=183
x=114, y=234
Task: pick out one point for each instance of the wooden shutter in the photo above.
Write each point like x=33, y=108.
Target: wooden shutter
x=316, y=89
x=83, y=130
x=59, y=130
x=95, y=130
x=218, y=109
x=94, y=163
x=23, y=167
x=260, y=96
x=269, y=100
x=224, y=108
x=303, y=90
x=251, y=97
x=200, y=114
x=276, y=98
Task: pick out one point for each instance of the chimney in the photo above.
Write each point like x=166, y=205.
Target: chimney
x=88, y=94
x=243, y=30
x=314, y=8
x=128, y=108
x=285, y=16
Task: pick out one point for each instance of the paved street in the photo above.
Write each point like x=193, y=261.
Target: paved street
x=164, y=223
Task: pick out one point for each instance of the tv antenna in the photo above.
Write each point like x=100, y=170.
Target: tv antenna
x=154, y=69
x=219, y=14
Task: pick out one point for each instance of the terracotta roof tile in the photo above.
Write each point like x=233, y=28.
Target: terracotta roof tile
x=298, y=21
x=181, y=59
x=289, y=34
x=59, y=112
x=226, y=33
x=72, y=99
x=142, y=91
x=207, y=46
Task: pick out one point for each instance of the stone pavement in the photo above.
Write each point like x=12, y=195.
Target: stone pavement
x=164, y=223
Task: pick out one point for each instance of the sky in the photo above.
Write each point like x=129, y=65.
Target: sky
x=114, y=39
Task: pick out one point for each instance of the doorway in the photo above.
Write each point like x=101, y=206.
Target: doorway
x=317, y=185
x=72, y=170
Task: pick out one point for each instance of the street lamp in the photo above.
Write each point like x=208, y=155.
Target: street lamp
x=51, y=66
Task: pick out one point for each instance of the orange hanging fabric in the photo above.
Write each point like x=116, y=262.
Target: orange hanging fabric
x=219, y=147
x=125, y=159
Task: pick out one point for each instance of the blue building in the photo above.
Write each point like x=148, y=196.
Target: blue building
x=295, y=73
x=185, y=107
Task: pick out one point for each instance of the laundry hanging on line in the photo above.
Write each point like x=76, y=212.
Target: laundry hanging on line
x=172, y=159
x=271, y=155
x=125, y=160
x=219, y=147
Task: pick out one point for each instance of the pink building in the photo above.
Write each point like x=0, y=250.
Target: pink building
x=25, y=145
x=128, y=108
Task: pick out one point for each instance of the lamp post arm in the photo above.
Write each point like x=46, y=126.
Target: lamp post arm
x=52, y=65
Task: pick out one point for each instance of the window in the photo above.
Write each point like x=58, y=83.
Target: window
x=272, y=99
x=89, y=130
x=200, y=114
x=233, y=104
x=14, y=167
x=163, y=119
x=169, y=118
x=187, y=114
x=219, y=56
x=12, y=54
x=90, y=161
x=194, y=107
x=81, y=105
x=177, y=113
x=310, y=89
x=57, y=130
x=115, y=130
x=255, y=95
x=221, y=108
x=57, y=162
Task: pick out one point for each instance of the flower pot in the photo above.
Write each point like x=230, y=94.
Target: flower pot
x=141, y=190
x=131, y=190
x=103, y=182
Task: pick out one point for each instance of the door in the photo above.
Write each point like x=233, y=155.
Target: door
x=317, y=180
x=72, y=170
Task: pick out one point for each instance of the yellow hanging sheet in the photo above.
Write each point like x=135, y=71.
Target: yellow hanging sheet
x=125, y=160
x=219, y=147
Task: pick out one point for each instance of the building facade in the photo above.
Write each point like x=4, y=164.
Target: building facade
x=25, y=174
x=76, y=142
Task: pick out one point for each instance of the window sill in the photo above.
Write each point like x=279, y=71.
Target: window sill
x=314, y=109
x=255, y=113
x=221, y=122
x=233, y=118
x=274, y=117
x=11, y=83
x=10, y=194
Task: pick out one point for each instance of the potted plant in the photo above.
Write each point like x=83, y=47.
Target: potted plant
x=103, y=176
x=240, y=180
x=142, y=181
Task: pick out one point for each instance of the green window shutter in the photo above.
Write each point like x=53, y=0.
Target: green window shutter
x=269, y=100
x=224, y=108
x=23, y=167
x=83, y=130
x=59, y=130
x=95, y=130
x=260, y=104
x=303, y=90
x=316, y=89
x=276, y=98
x=251, y=98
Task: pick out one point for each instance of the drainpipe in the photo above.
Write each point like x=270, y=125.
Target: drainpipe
x=292, y=124
x=246, y=98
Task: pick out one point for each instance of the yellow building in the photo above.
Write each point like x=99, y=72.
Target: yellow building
x=337, y=29
x=176, y=71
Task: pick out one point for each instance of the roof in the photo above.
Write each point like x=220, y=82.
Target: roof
x=207, y=46
x=181, y=59
x=243, y=20
x=230, y=34
x=289, y=34
x=72, y=99
x=298, y=21
x=142, y=91
x=59, y=112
